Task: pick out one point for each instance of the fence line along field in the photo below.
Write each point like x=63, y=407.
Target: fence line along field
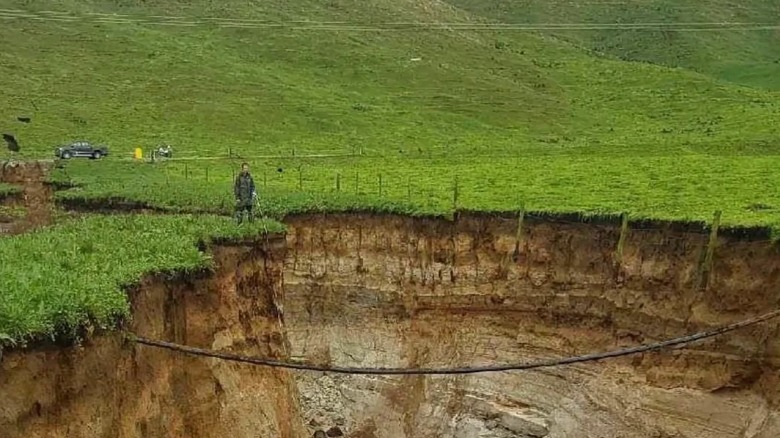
x=57, y=280
x=658, y=187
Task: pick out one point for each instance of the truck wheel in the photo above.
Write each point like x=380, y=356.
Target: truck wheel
x=96, y=155
x=66, y=155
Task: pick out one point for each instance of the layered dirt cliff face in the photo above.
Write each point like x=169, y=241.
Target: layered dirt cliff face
x=363, y=290
x=390, y=291
x=107, y=388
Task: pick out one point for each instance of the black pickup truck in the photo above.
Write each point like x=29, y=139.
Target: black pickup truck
x=81, y=149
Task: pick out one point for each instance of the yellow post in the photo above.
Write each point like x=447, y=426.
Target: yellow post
x=138, y=154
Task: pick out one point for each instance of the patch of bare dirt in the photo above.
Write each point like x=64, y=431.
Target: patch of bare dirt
x=36, y=197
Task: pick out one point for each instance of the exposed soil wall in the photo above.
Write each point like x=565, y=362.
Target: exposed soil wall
x=107, y=388
x=392, y=291
x=378, y=290
x=35, y=196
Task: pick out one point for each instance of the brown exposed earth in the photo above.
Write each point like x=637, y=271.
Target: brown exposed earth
x=34, y=198
x=385, y=291
x=391, y=291
x=109, y=388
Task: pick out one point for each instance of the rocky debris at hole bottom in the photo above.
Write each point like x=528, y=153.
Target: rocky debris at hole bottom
x=471, y=427
x=323, y=403
x=527, y=422
x=667, y=432
x=334, y=431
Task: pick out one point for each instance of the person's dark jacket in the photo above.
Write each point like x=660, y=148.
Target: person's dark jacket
x=244, y=187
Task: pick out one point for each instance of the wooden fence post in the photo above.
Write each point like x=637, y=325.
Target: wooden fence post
x=519, y=233
x=706, y=268
x=455, y=194
x=186, y=171
x=621, y=239
x=338, y=182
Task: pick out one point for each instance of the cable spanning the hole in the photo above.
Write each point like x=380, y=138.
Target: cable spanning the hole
x=461, y=370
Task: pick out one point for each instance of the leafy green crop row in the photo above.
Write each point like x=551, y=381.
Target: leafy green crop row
x=57, y=279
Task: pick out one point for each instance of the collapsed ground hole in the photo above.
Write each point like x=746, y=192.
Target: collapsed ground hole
x=374, y=290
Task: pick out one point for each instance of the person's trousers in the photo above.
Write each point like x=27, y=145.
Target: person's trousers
x=241, y=207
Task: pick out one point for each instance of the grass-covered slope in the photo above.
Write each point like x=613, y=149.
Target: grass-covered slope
x=734, y=40
x=60, y=278
x=518, y=117
x=274, y=85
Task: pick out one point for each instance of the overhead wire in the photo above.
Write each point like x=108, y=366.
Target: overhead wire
x=275, y=363
x=226, y=22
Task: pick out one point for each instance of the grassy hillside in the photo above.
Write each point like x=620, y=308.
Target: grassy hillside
x=733, y=40
x=358, y=89
x=334, y=87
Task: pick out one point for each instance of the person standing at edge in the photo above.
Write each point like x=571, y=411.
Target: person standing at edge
x=244, y=190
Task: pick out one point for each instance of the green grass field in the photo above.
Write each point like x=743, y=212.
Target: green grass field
x=519, y=116
x=56, y=280
x=743, y=48
x=660, y=186
x=415, y=107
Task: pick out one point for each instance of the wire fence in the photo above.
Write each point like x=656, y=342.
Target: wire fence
x=445, y=187
x=433, y=187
